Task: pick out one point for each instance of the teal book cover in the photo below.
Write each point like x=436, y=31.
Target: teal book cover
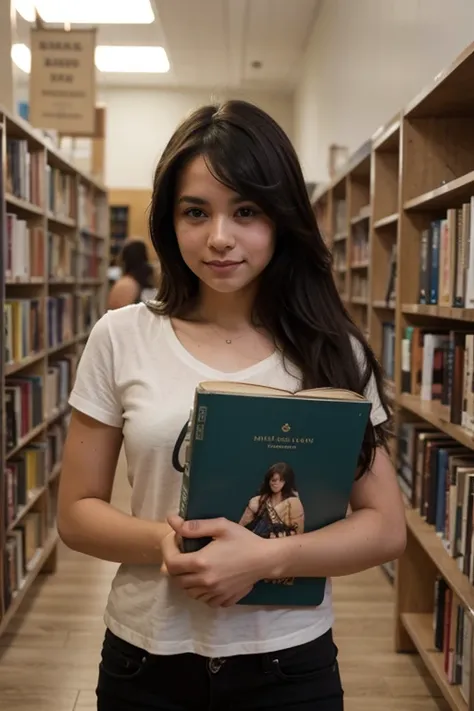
x=277, y=463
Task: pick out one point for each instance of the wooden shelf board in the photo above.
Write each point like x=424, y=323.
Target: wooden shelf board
x=24, y=205
x=43, y=555
x=340, y=237
x=387, y=221
x=360, y=300
x=450, y=92
x=360, y=218
x=437, y=415
x=360, y=265
x=50, y=419
x=31, y=281
x=420, y=628
x=62, y=221
x=448, y=312
x=452, y=194
x=33, y=496
x=13, y=368
x=387, y=137
x=382, y=304
x=447, y=566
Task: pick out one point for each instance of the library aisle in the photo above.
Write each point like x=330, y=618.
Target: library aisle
x=56, y=636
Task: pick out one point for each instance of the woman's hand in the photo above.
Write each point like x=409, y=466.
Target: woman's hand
x=223, y=571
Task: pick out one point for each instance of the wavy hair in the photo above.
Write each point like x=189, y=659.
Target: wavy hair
x=297, y=300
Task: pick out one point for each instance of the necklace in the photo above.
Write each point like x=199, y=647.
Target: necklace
x=228, y=340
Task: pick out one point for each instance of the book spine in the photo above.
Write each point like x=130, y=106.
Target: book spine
x=434, y=267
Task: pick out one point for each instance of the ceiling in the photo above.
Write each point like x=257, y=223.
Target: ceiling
x=213, y=43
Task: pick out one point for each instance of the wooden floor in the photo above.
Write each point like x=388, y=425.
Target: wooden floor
x=49, y=656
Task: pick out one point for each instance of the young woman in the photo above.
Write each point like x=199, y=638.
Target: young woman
x=136, y=283
x=247, y=293
x=277, y=509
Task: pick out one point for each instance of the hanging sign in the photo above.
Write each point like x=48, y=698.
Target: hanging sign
x=62, y=81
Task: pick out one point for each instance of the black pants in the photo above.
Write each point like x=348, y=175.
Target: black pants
x=303, y=678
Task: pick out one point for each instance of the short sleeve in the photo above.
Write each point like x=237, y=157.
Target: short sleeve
x=95, y=393
x=378, y=415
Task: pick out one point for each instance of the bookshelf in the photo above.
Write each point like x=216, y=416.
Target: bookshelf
x=418, y=311
x=54, y=256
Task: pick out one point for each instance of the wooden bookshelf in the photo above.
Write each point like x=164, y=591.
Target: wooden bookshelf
x=420, y=168
x=54, y=235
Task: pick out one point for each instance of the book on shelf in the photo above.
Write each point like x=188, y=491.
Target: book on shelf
x=436, y=475
x=61, y=255
x=272, y=461
x=453, y=635
x=439, y=365
x=446, y=274
x=23, y=333
x=61, y=193
x=21, y=548
x=24, y=400
x=24, y=250
x=24, y=176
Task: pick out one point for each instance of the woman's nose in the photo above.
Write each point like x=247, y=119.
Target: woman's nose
x=220, y=235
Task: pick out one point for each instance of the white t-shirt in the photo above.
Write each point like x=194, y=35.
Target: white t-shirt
x=135, y=374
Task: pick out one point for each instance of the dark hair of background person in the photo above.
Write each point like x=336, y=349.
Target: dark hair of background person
x=297, y=300
x=134, y=260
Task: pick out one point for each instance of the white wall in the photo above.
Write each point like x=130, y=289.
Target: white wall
x=366, y=59
x=140, y=122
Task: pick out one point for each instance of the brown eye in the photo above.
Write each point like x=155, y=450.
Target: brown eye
x=195, y=213
x=246, y=212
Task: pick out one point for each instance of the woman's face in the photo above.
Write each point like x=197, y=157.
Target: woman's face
x=276, y=484
x=225, y=240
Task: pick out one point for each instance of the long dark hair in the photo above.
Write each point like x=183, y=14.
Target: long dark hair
x=286, y=473
x=297, y=300
x=134, y=258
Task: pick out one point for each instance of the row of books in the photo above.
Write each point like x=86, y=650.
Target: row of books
x=61, y=257
x=29, y=398
x=88, y=211
x=23, y=322
x=30, y=470
x=24, y=249
x=61, y=193
x=360, y=243
x=59, y=381
x=22, y=546
x=25, y=254
x=453, y=635
x=436, y=475
x=446, y=260
x=439, y=365
x=340, y=217
x=388, y=349
x=360, y=286
x=24, y=171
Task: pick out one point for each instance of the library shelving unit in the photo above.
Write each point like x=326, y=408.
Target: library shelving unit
x=418, y=310
x=54, y=255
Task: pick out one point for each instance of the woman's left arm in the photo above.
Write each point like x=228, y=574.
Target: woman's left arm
x=374, y=533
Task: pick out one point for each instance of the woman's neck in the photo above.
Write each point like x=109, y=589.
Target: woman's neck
x=227, y=311
x=276, y=499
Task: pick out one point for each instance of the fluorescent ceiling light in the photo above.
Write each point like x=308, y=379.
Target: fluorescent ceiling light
x=21, y=56
x=110, y=58
x=131, y=59
x=88, y=12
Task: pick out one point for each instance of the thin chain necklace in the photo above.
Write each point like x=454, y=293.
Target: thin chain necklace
x=229, y=341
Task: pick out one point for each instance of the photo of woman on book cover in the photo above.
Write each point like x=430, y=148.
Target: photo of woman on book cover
x=277, y=510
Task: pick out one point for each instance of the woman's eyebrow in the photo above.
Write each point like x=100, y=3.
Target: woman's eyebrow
x=192, y=199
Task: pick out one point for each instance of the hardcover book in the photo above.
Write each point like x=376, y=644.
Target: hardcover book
x=278, y=463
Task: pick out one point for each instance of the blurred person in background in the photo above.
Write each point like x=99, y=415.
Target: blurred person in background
x=136, y=282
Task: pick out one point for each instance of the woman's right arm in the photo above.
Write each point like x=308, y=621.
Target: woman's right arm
x=87, y=521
